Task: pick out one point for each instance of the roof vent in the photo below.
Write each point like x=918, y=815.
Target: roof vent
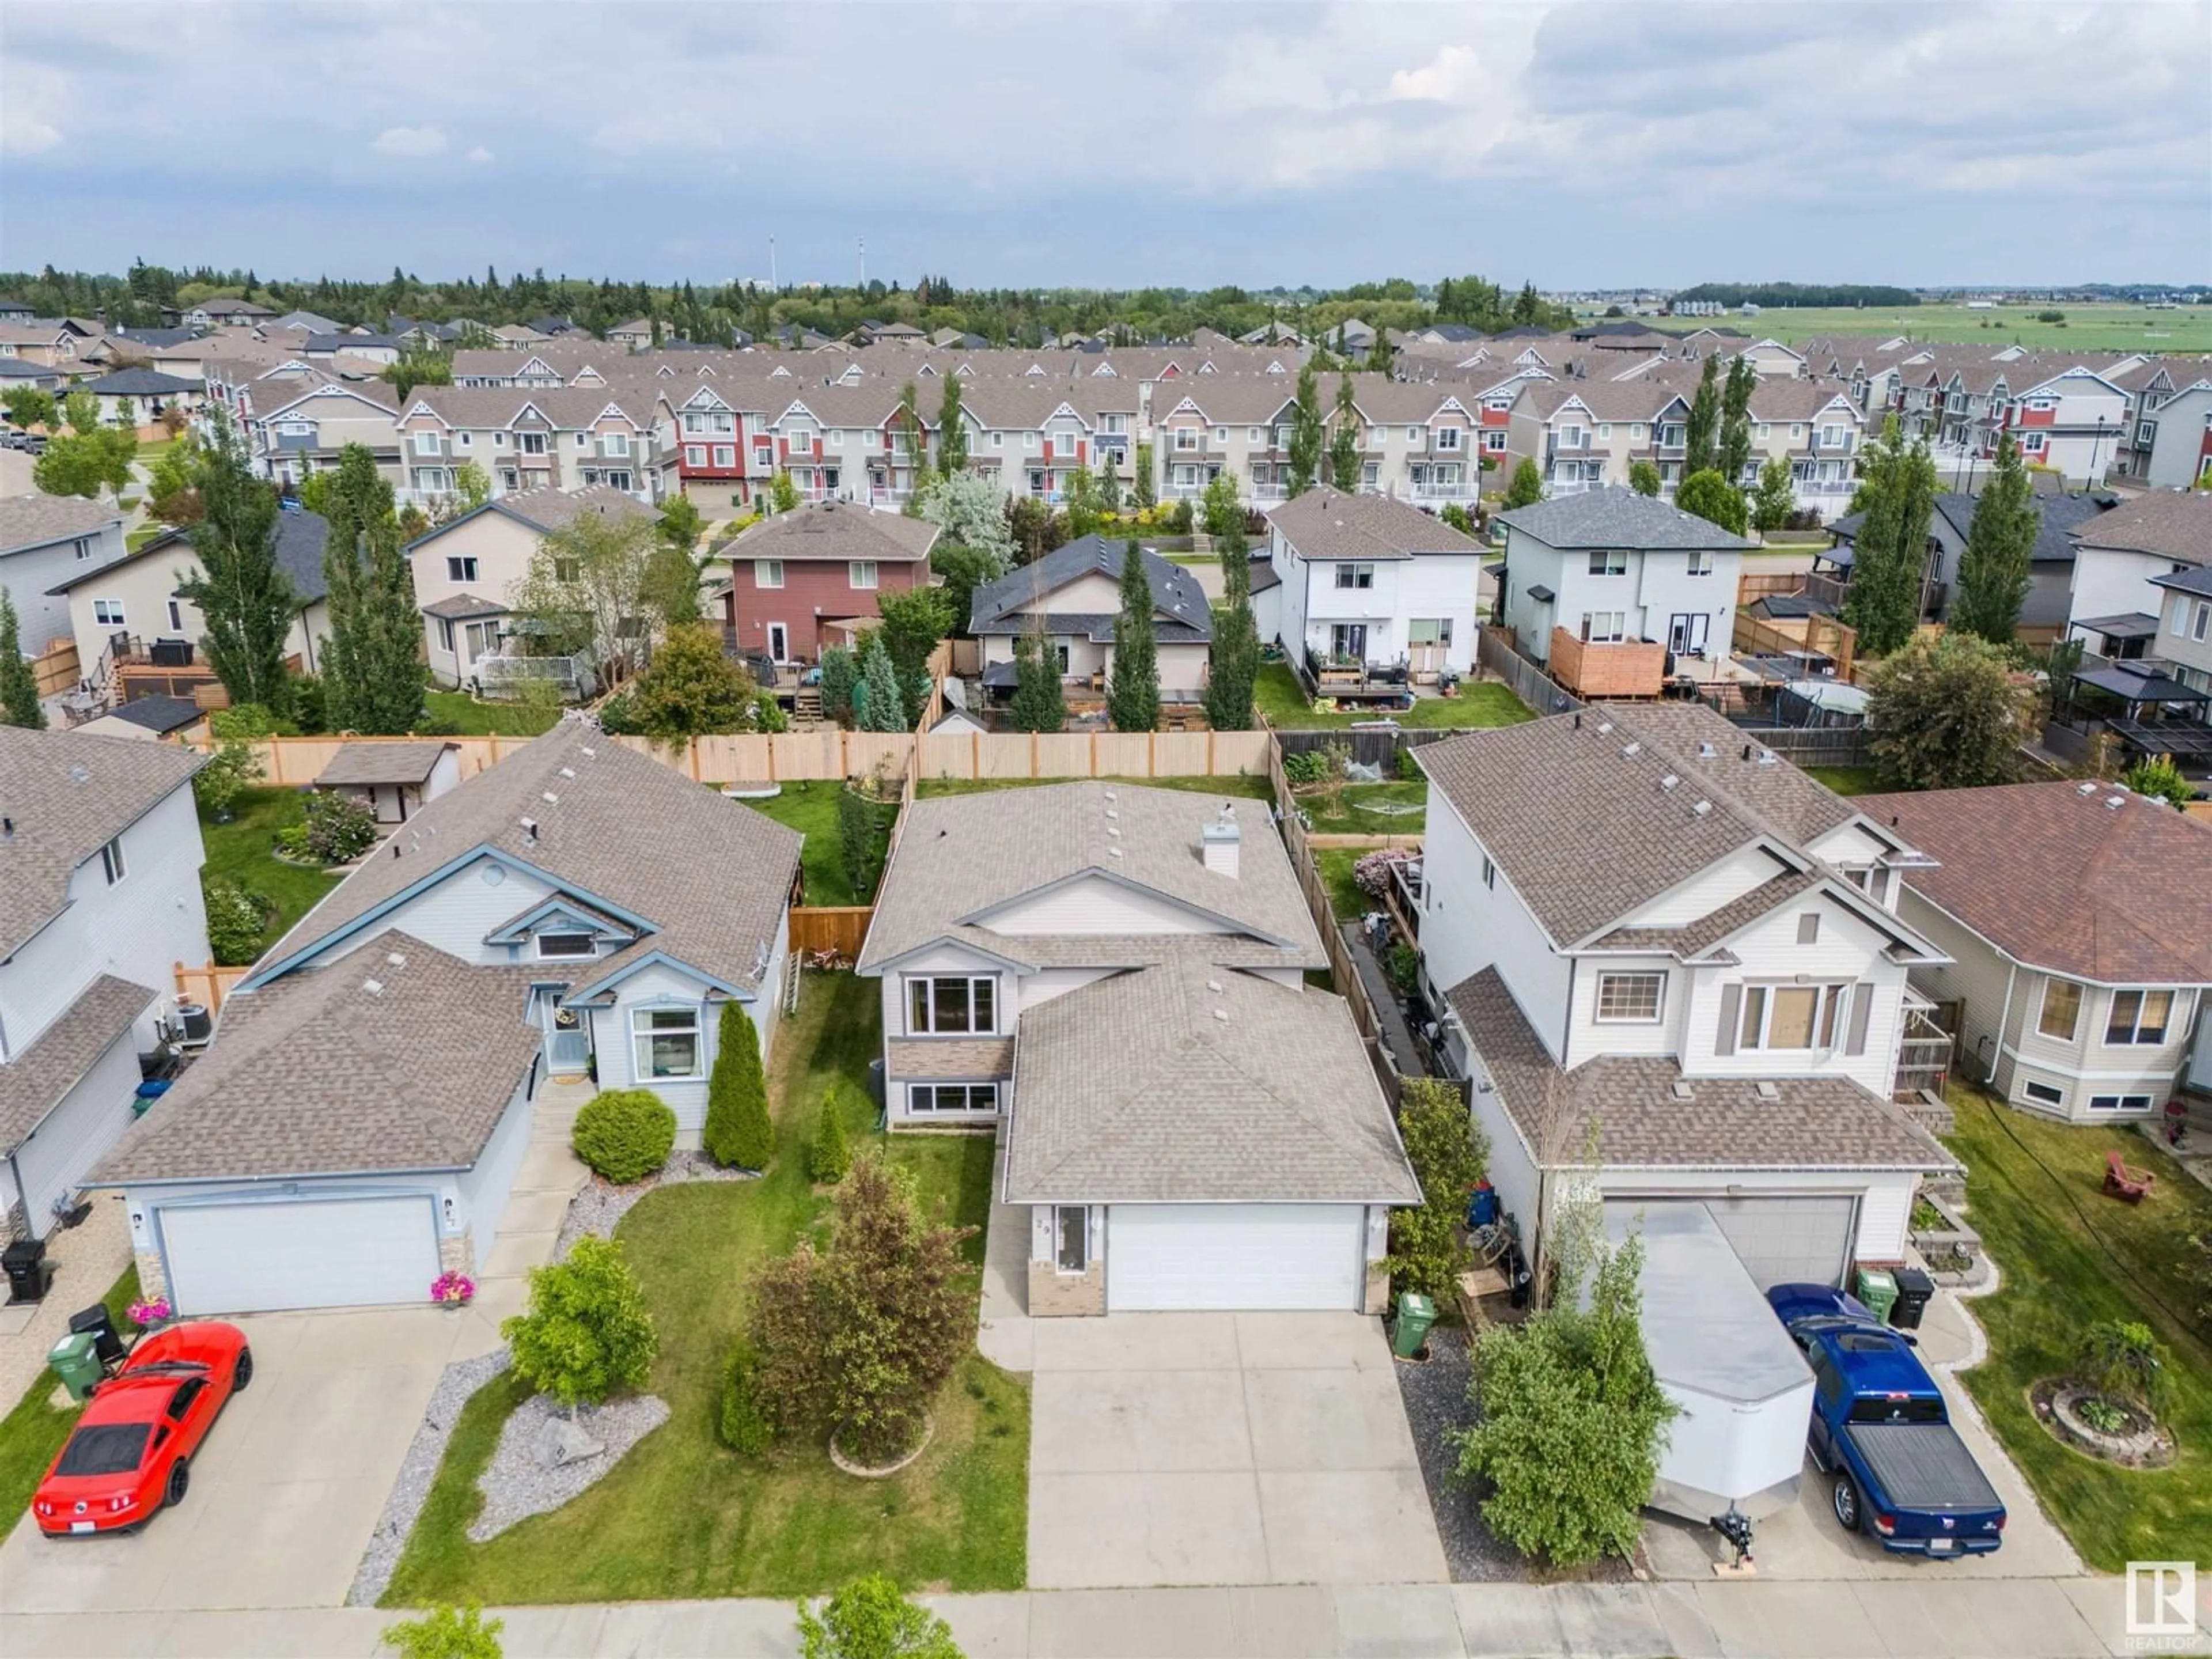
x=1670, y=781
x=1114, y=830
x=1221, y=1014
x=1604, y=728
x=1767, y=757
x=587, y=751
x=529, y=829
x=1706, y=751
x=567, y=771
x=1214, y=985
x=7, y=829
x=1113, y=852
x=1700, y=809
x=1111, y=796
x=2113, y=803
x=2084, y=788
x=1630, y=750
x=374, y=987
x=1681, y=1091
x=1766, y=1090
x=1111, y=813
x=550, y=799
x=396, y=959
x=78, y=774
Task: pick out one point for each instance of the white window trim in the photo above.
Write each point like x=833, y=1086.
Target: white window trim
x=862, y=574
x=2141, y=994
x=768, y=573
x=969, y=1110
x=641, y=1034
x=461, y=567
x=107, y=613
x=2043, y=1010
x=1831, y=1016
x=927, y=1026
x=1657, y=981
x=112, y=863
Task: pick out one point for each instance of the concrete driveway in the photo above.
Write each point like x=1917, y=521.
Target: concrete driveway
x=288, y=1485
x=1221, y=1449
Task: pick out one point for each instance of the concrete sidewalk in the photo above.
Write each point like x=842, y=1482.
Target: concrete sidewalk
x=1939, y=1615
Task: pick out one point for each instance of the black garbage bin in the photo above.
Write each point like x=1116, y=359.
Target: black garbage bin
x=94, y=1322
x=28, y=1271
x=1914, y=1287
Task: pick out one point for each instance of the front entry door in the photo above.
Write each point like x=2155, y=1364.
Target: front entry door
x=1348, y=642
x=567, y=1048
x=1686, y=633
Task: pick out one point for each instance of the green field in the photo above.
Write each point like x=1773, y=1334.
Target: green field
x=2089, y=328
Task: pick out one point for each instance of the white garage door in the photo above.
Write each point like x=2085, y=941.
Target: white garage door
x=1781, y=1238
x=1234, y=1255
x=308, y=1253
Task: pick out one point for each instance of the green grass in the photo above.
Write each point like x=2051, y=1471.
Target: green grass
x=241, y=850
x=145, y=532
x=1359, y=816
x=810, y=808
x=2087, y=328
x=472, y=719
x=1845, y=780
x=32, y=1434
x=1244, y=785
x=681, y=1517
x=1279, y=696
x=1344, y=895
x=2069, y=1256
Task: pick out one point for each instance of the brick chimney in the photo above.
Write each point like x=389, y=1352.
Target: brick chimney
x=1218, y=843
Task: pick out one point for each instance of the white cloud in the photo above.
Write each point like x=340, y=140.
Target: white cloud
x=1439, y=81
x=409, y=141
x=30, y=98
x=480, y=154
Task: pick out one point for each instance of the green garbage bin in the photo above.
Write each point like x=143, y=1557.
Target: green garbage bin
x=1409, y=1332
x=77, y=1363
x=1877, y=1288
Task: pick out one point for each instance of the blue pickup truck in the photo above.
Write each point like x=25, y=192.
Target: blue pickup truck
x=1879, y=1425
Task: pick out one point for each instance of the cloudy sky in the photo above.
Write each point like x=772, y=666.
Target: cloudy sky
x=1578, y=144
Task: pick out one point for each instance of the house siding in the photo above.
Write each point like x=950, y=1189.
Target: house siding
x=814, y=592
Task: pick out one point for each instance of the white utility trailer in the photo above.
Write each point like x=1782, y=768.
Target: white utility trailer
x=1744, y=1390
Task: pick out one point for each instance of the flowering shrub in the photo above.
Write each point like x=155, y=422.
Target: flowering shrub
x=452, y=1287
x=1371, y=874
x=150, y=1311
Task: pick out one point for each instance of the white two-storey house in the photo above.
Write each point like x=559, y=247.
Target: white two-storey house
x=1371, y=582
x=100, y=899
x=1673, y=966
x=360, y=1119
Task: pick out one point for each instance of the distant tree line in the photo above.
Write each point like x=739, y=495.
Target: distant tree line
x=1800, y=294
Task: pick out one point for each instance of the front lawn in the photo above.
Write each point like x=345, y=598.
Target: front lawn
x=2067, y=1255
x=459, y=714
x=1371, y=808
x=242, y=849
x=681, y=1517
x=1247, y=785
x=32, y=1433
x=1480, y=703
x=810, y=808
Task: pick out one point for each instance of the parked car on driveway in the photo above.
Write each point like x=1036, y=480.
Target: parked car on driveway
x=131, y=1453
x=1880, y=1426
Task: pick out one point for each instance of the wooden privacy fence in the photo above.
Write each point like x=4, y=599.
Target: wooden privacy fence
x=207, y=985
x=1529, y=683
x=1016, y=755
x=838, y=928
x=55, y=669
x=1831, y=638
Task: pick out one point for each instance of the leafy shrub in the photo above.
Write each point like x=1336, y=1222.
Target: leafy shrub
x=827, y=1156
x=738, y=1135
x=1178, y=518
x=2101, y=1414
x=587, y=1332
x=2124, y=1360
x=1450, y=1155
x=310, y=704
x=625, y=1135
x=447, y=1632
x=1404, y=968
x=339, y=828
x=234, y=763
x=236, y=920
x=619, y=716
x=1408, y=768
x=738, y=1421
x=1456, y=516
x=2158, y=779
x=868, y=1618
x=1370, y=873
x=1305, y=767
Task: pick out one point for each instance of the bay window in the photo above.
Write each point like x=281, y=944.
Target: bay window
x=2062, y=1010
x=2138, y=1017
x=953, y=1006
x=666, y=1042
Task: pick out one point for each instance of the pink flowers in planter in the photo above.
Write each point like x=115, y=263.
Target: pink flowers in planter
x=1371, y=874
x=453, y=1290
x=150, y=1311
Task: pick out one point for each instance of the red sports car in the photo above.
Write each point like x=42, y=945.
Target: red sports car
x=130, y=1452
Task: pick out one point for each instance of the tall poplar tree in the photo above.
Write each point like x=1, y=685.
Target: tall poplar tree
x=1896, y=498
x=1993, y=570
x=1345, y=459
x=1735, y=452
x=951, y=434
x=1133, y=688
x=1305, y=434
x=1700, y=442
x=19, y=686
x=1234, y=661
x=244, y=593
x=372, y=673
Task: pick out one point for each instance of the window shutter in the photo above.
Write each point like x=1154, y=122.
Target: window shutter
x=1731, y=1016
x=1862, y=1011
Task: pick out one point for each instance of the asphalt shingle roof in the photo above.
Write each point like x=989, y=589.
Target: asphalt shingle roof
x=1813, y=1123
x=1188, y=1082
x=381, y=762
x=2175, y=524
x=139, y=383
x=829, y=530
x=300, y=536
x=159, y=715
x=1005, y=605
x=319, y=1074
x=2061, y=881
x=33, y=1083
x=32, y=521
x=1613, y=517
x=68, y=795
x=1324, y=524
x=710, y=876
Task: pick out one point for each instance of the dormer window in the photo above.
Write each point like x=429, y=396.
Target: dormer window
x=553, y=947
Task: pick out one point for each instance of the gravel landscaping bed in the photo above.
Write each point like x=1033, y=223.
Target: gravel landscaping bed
x=595, y=1210
x=418, y=1471
x=516, y=1485
x=1435, y=1396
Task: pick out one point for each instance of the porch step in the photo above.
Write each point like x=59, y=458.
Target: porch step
x=807, y=703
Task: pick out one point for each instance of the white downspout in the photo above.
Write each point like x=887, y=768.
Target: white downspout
x=2004, y=1019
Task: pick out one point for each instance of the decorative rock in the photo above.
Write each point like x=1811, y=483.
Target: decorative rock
x=562, y=1442
x=517, y=1485
x=419, y=1472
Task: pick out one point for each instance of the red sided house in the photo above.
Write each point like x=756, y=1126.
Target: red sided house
x=810, y=577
